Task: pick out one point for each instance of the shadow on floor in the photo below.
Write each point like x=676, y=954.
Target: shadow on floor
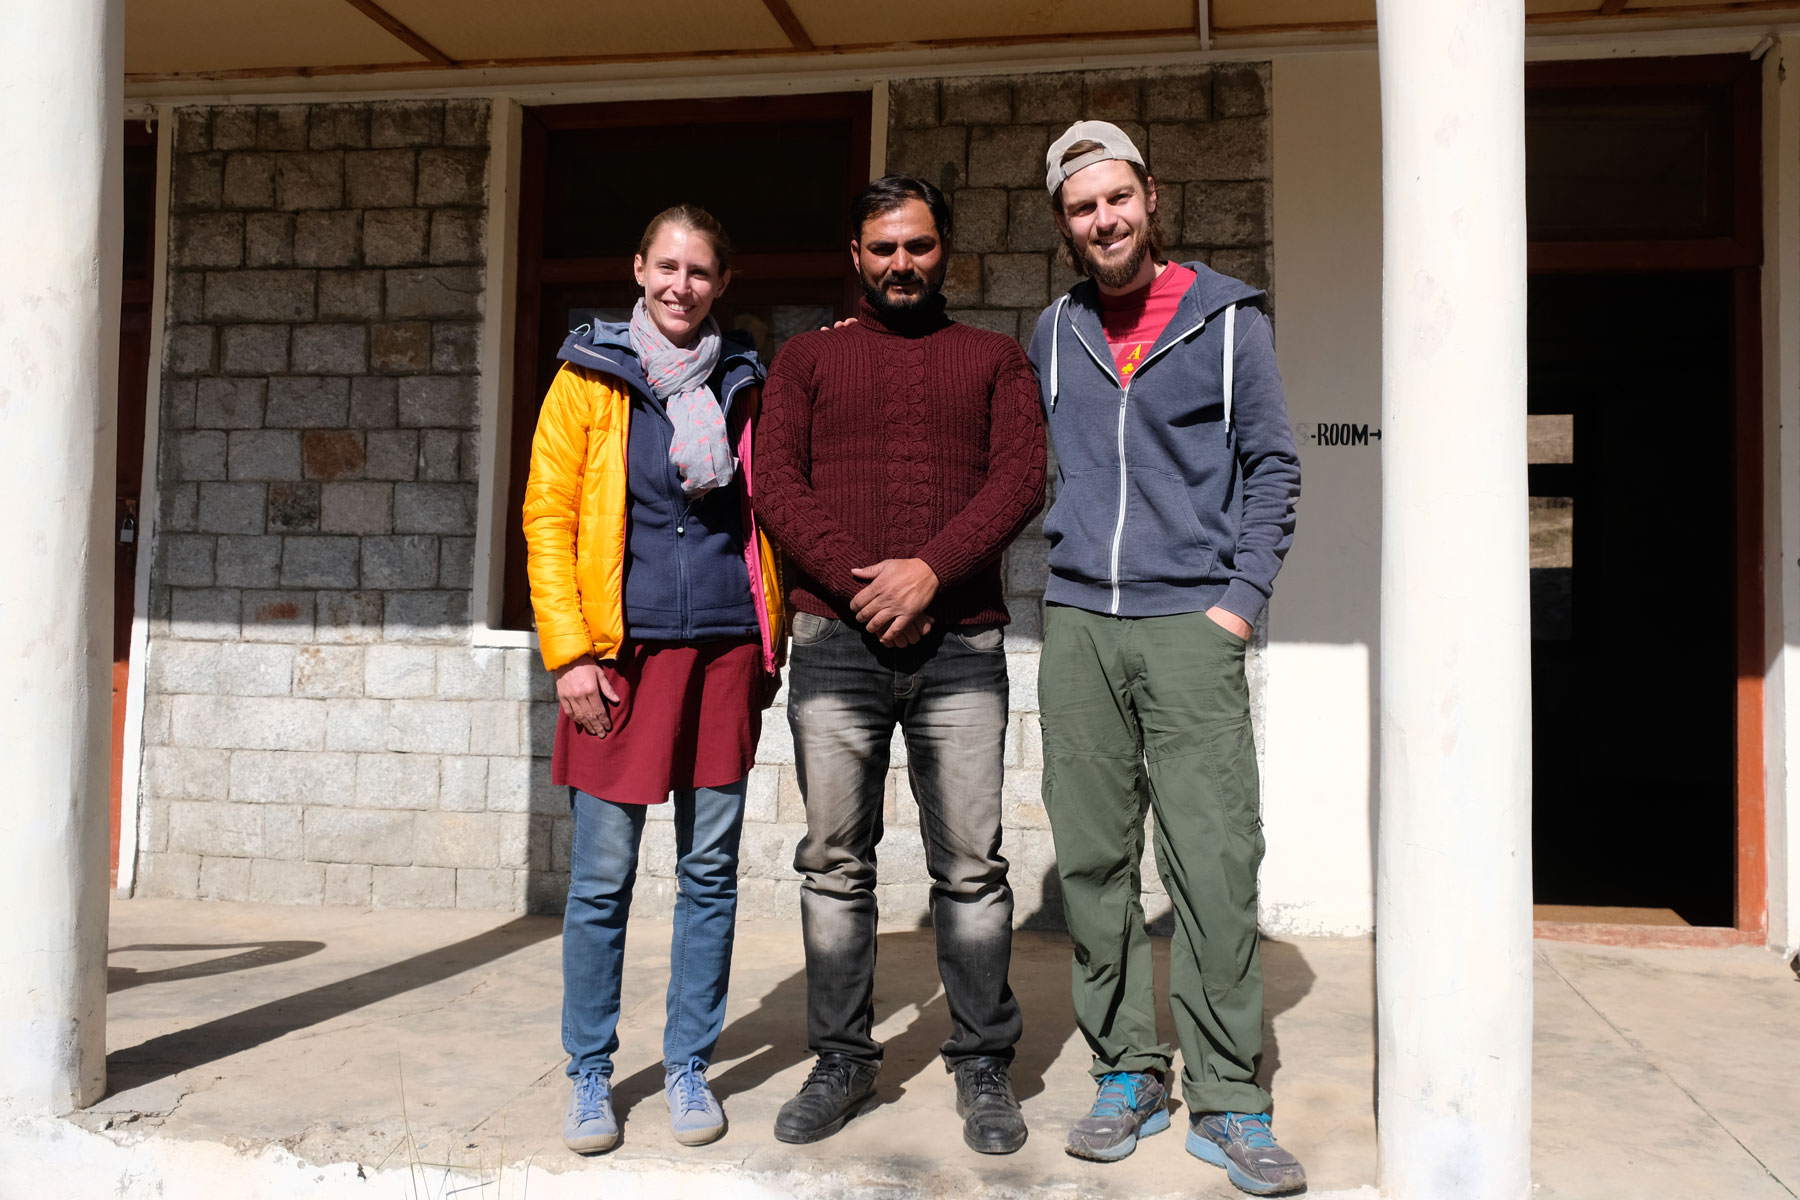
x=173, y=1053
x=255, y=954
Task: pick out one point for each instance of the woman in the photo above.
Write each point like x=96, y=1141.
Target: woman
x=658, y=612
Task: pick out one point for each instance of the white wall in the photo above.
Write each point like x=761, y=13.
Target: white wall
x=1319, y=768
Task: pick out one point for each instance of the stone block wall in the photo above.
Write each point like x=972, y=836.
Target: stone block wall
x=318, y=728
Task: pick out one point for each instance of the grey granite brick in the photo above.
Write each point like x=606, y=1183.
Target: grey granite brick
x=249, y=722
x=406, y=123
x=187, y=560
x=1008, y=156
x=994, y=319
x=285, y=777
x=1112, y=97
x=433, y=292
x=190, y=668
x=441, y=401
x=1227, y=214
x=354, y=835
x=331, y=349
x=224, y=879
x=466, y=123
x=962, y=280
x=469, y=456
x=276, y=616
x=393, y=454
x=456, y=568
x=356, y=725
x=171, y=876
x=326, y=239
x=441, y=617
x=249, y=561
x=193, y=129
x=497, y=890
x=313, y=180
x=471, y=673
x=456, y=839
x=328, y=671
x=1053, y=99
x=463, y=783
x=308, y=403
x=348, y=884
x=495, y=727
x=197, y=182
x=339, y=126
x=230, y=508
x=980, y=219
x=379, y=178
x=414, y=887
x=207, y=239
x=428, y=726
x=938, y=155
x=180, y=503
x=254, y=349
x=1250, y=264
x=349, y=295
x=259, y=295
x=394, y=781
x=320, y=562
x=1014, y=279
x=276, y=882
x=234, y=127
x=194, y=454
x=356, y=507
x=281, y=127
x=187, y=296
x=262, y=455
x=394, y=237
x=398, y=672
x=186, y=773
x=977, y=101
x=439, y=453
x=372, y=403
x=249, y=180
x=251, y=669
x=229, y=403
x=453, y=176
x=1236, y=148
x=269, y=239
x=293, y=507
x=455, y=347
x=1181, y=96
x=1031, y=225
x=406, y=561
x=433, y=508
x=348, y=618
x=1241, y=90
x=913, y=103
x=455, y=236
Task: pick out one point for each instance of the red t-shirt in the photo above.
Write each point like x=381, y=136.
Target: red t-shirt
x=1135, y=320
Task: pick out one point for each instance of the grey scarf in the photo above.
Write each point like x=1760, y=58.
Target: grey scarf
x=700, y=448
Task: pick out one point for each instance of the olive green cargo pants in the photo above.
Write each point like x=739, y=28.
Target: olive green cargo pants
x=1154, y=711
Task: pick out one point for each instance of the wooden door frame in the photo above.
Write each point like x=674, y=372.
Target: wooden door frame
x=1741, y=254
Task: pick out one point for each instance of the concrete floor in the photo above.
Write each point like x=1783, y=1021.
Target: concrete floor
x=392, y=1040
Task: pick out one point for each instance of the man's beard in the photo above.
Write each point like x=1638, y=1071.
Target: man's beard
x=877, y=295
x=1122, y=273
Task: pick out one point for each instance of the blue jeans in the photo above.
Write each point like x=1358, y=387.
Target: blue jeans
x=947, y=694
x=602, y=870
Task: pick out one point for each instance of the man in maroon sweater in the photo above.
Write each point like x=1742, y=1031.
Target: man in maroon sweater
x=896, y=458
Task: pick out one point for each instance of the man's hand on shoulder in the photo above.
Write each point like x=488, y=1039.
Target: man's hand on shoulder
x=898, y=591
x=1230, y=622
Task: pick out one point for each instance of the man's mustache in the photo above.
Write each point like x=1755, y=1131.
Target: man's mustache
x=902, y=277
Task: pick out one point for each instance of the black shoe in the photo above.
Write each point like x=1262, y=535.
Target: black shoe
x=831, y=1095
x=992, y=1122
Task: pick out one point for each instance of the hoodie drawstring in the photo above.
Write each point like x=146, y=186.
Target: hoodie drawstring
x=1230, y=353
x=1056, y=348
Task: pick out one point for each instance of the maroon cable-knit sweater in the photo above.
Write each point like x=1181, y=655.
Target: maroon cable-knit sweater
x=920, y=439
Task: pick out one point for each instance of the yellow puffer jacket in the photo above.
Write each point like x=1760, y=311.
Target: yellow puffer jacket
x=576, y=510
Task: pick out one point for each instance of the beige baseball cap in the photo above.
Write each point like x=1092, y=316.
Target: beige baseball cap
x=1112, y=141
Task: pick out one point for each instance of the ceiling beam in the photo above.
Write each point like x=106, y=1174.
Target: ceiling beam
x=790, y=24
x=1612, y=8
x=1203, y=23
x=399, y=29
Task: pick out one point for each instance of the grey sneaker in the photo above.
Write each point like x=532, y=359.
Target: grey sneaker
x=694, y=1112
x=588, y=1124
x=1244, y=1145
x=1128, y=1106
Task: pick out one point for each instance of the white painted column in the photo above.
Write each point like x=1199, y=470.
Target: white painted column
x=1453, y=872
x=61, y=70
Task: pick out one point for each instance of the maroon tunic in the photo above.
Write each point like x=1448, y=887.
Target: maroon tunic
x=689, y=715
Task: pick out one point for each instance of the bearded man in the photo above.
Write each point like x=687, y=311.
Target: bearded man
x=1174, y=509
x=897, y=456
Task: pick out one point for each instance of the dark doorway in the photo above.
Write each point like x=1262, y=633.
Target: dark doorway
x=134, y=388
x=1633, y=664
x=777, y=171
x=1644, y=202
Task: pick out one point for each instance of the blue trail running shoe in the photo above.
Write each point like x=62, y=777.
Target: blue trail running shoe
x=589, y=1126
x=694, y=1112
x=1245, y=1146
x=1128, y=1106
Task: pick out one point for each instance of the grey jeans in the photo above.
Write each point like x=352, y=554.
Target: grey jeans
x=948, y=696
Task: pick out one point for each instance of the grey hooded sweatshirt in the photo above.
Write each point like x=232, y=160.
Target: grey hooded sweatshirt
x=1177, y=492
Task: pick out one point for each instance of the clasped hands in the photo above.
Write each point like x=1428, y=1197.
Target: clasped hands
x=892, y=606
